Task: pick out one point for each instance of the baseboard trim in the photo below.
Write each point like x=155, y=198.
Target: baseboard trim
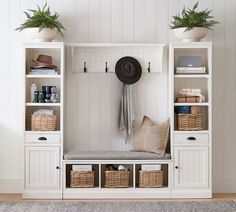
x=11, y=185
x=191, y=194
x=45, y=194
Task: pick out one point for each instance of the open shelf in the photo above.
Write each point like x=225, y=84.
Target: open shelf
x=192, y=104
x=191, y=76
x=43, y=76
x=31, y=104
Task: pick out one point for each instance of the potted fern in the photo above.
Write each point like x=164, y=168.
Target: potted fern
x=41, y=25
x=192, y=25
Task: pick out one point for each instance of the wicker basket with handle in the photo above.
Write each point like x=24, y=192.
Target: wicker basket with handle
x=116, y=179
x=82, y=179
x=150, y=179
x=43, y=122
x=190, y=121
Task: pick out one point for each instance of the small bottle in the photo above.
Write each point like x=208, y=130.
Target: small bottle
x=33, y=89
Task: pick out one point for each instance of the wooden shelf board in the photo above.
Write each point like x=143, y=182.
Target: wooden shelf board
x=191, y=76
x=43, y=76
x=192, y=104
x=31, y=104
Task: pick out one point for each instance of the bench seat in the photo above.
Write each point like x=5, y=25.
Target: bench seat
x=114, y=155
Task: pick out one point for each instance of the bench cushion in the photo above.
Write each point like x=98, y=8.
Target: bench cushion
x=114, y=155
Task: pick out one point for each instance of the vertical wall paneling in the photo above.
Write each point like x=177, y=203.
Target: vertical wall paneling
x=128, y=21
x=94, y=21
x=105, y=21
x=117, y=21
x=139, y=21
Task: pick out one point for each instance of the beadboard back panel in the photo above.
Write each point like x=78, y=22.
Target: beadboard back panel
x=116, y=21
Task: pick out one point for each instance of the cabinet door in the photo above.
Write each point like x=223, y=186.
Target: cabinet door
x=42, y=167
x=191, y=167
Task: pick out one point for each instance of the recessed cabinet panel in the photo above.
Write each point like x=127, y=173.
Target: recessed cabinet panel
x=42, y=167
x=191, y=167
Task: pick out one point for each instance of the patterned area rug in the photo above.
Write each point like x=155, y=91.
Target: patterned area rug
x=119, y=206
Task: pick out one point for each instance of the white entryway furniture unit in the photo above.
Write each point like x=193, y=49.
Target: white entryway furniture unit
x=43, y=149
x=186, y=174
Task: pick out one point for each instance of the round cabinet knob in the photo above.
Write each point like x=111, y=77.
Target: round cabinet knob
x=57, y=167
x=176, y=167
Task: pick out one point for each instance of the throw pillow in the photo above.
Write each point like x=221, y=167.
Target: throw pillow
x=152, y=137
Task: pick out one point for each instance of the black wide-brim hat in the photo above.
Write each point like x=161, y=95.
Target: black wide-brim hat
x=128, y=70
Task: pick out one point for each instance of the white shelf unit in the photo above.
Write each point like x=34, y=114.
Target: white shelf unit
x=133, y=191
x=43, y=149
x=191, y=150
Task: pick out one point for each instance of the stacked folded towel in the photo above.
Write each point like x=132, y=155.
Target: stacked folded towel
x=192, y=92
x=44, y=112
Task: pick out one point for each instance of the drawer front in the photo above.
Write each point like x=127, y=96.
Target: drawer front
x=191, y=138
x=44, y=138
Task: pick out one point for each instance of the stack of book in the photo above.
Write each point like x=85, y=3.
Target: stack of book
x=190, y=65
x=151, y=167
x=43, y=71
x=82, y=168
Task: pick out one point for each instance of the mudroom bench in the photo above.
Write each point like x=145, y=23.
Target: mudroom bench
x=100, y=183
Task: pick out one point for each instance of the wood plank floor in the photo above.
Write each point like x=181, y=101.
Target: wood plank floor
x=218, y=196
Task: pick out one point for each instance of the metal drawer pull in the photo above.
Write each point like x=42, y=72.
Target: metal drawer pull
x=42, y=139
x=191, y=139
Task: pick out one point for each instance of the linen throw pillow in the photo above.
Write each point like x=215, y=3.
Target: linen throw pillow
x=152, y=137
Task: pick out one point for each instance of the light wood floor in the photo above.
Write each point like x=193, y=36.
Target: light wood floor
x=225, y=196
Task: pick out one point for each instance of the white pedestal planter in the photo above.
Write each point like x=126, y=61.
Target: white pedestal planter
x=193, y=35
x=45, y=35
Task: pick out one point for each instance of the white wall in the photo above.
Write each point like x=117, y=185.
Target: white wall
x=118, y=21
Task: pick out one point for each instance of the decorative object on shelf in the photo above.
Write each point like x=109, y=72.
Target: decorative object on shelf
x=82, y=179
x=190, y=122
x=192, y=25
x=33, y=88
x=43, y=61
x=182, y=109
x=190, y=95
x=36, y=95
x=190, y=65
x=54, y=95
x=40, y=97
x=110, y=167
x=151, y=179
x=150, y=167
x=43, y=120
x=47, y=93
x=42, y=25
x=152, y=137
x=128, y=70
x=122, y=168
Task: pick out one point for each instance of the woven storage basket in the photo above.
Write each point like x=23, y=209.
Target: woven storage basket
x=116, y=179
x=43, y=122
x=190, y=121
x=150, y=179
x=82, y=179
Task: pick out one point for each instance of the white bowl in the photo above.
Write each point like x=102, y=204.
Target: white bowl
x=193, y=35
x=45, y=35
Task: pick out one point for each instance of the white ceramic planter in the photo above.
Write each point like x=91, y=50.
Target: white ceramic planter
x=45, y=35
x=193, y=35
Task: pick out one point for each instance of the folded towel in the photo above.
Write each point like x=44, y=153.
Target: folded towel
x=44, y=112
x=191, y=92
x=127, y=111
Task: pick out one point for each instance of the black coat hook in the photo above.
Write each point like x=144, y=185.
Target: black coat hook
x=106, y=68
x=85, y=67
x=149, y=67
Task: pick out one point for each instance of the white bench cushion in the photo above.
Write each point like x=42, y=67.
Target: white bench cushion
x=114, y=155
